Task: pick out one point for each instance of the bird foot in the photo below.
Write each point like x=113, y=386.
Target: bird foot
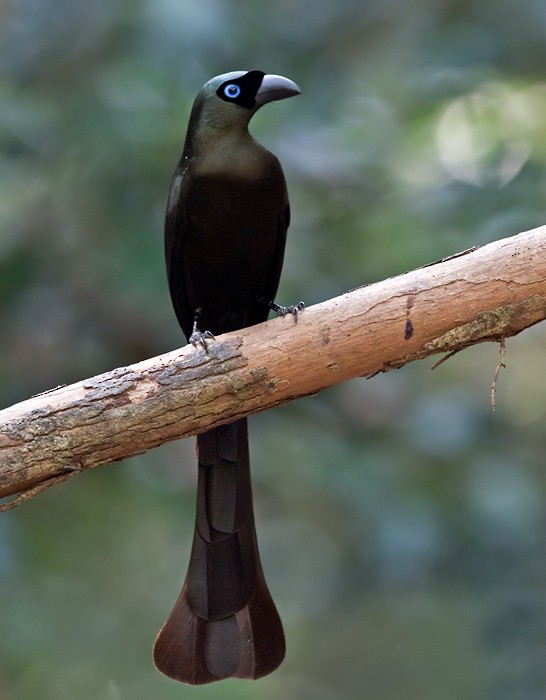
x=200, y=338
x=285, y=310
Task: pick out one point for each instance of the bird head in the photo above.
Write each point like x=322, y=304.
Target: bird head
x=229, y=100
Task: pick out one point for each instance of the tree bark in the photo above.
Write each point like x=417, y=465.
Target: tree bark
x=486, y=294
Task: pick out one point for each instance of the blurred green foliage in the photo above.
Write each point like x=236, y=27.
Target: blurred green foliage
x=401, y=522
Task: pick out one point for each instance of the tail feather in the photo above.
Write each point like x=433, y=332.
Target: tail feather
x=224, y=623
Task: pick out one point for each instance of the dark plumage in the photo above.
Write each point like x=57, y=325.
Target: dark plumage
x=225, y=233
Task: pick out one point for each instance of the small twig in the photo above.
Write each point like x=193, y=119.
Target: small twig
x=35, y=490
x=473, y=249
x=445, y=358
x=501, y=365
x=49, y=391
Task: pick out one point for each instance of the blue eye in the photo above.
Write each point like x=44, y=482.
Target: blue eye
x=232, y=91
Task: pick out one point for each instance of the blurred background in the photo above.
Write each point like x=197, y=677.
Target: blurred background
x=401, y=521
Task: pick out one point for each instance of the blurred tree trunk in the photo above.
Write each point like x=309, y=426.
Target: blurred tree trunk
x=486, y=294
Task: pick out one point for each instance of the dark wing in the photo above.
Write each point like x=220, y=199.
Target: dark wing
x=260, y=311
x=175, y=229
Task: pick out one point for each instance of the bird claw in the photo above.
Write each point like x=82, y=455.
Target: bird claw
x=294, y=309
x=283, y=310
x=200, y=338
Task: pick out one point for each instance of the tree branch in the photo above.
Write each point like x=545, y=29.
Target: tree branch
x=480, y=295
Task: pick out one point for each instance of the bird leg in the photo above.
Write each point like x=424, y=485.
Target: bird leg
x=284, y=310
x=198, y=337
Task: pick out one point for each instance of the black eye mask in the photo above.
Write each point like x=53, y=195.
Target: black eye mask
x=242, y=91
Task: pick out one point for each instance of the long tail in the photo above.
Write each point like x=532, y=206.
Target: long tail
x=224, y=623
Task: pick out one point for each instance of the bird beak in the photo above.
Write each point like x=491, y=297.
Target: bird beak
x=275, y=87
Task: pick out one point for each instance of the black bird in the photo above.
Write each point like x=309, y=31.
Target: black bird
x=225, y=233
